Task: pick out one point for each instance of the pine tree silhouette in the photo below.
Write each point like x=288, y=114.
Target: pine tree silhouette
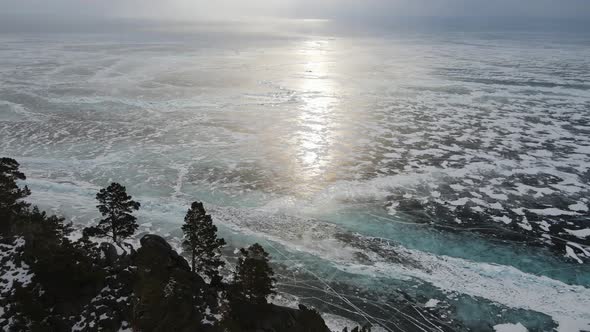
x=253, y=278
x=201, y=242
x=11, y=194
x=116, y=206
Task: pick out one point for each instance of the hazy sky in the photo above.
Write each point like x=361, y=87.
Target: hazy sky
x=186, y=9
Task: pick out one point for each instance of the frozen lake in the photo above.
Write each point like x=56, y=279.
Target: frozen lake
x=447, y=171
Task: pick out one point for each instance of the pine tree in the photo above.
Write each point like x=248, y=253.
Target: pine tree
x=116, y=206
x=201, y=242
x=253, y=279
x=11, y=194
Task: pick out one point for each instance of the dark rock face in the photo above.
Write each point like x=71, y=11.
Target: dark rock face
x=110, y=252
x=272, y=318
x=167, y=295
x=156, y=248
x=151, y=240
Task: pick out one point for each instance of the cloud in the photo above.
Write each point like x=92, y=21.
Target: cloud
x=384, y=8
x=185, y=9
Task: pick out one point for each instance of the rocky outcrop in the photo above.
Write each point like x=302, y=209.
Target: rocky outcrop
x=167, y=295
x=151, y=289
x=272, y=318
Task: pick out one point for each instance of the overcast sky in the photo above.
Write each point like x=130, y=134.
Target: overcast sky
x=187, y=9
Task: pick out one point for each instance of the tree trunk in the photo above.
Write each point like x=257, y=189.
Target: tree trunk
x=113, y=228
x=114, y=232
x=193, y=260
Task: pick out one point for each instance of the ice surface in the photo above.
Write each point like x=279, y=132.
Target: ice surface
x=510, y=328
x=384, y=156
x=431, y=303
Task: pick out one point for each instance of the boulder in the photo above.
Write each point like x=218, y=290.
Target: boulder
x=167, y=295
x=154, y=247
x=272, y=318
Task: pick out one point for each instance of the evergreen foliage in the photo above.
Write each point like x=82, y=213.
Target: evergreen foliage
x=117, y=208
x=11, y=194
x=64, y=278
x=253, y=279
x=201, y=242
x=64, y=285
